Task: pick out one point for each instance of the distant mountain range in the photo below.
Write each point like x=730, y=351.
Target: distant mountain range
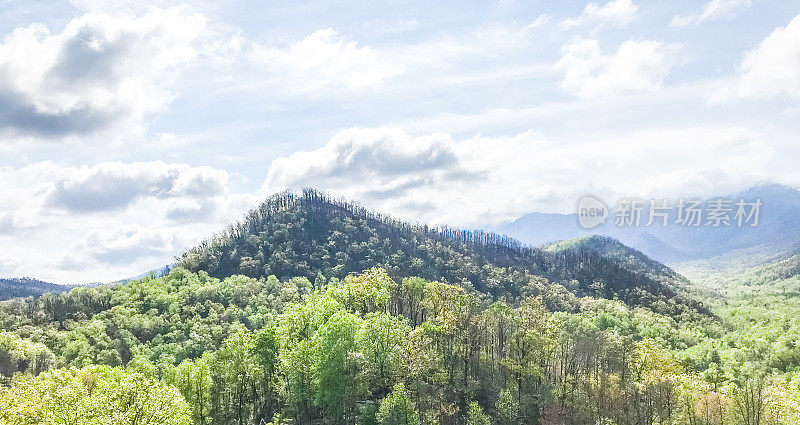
x=777, y=232
x=27, y=287
x=155, y=273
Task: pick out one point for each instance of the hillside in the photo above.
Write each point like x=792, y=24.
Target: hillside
x=758, y=299
x=626, y=256
x=332, y=346
x=746, y=273
x=28, y=287
x=311, y=235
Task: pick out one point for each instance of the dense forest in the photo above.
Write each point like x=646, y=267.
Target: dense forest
x=311, y=235
x=190, y=348
x=313, y=311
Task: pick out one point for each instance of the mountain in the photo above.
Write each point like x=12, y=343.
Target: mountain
x=539, y=228
x=542, y=228
x=27, y=287
x=155, y=273
x=776, y=233
x=627, y=257
x=312, y=235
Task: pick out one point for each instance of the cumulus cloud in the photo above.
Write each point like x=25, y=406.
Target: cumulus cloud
x=438, y=179
x=326, y=59
x=193, y=209
x=387, y=158
x=111, y=220
x=114, y=246
x=100, y=71
x=771, y=69
x=712, y=11
x=114, y=185
x=45, y=194
x=616, y=13
x=636, y=66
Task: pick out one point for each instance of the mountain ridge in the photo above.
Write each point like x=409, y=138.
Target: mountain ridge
x=27, y=287
x=776, y=231
x=313, y=235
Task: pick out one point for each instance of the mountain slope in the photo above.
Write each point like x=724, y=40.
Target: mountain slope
x=629, y=258
x=28, y=287
x=543, y=228
x=310, y=234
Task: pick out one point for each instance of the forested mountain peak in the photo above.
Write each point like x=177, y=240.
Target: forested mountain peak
x=632, y=258
x=313, y=235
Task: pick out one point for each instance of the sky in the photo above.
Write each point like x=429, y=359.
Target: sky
x=130, y=132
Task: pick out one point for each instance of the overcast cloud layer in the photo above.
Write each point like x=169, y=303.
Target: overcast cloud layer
x=129, y=131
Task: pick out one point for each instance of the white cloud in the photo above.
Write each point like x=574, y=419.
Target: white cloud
x=387, y=158
x=538, y=22
x=636, y=66
x=42, y=195
x=771, y=69
x=110, y=220
x=114, y=185
x=100, y=71
x=438, y=179
x=712, y=11
x=119, y=245
x=9, y=267
x=326, y=59
x=616, y=13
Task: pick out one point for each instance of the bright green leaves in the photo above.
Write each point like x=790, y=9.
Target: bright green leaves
x=336, y=365
x=20, y=355
x=335, y=349
x=194, y=380
x=379, y=341
x=93, y=395
x=397, y=408
x=475, y=415
x=364, y=293
x=367, y=350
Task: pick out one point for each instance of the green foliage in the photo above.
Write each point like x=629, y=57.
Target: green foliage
x=370, y=349
x=324, y=322
x=397, y=409
x=21, y=355
x=507, y=408
x=336, y=366
x=92, y=395
x=194, y=380
x=475, y=415
x=379, y=340
x=316, y=237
